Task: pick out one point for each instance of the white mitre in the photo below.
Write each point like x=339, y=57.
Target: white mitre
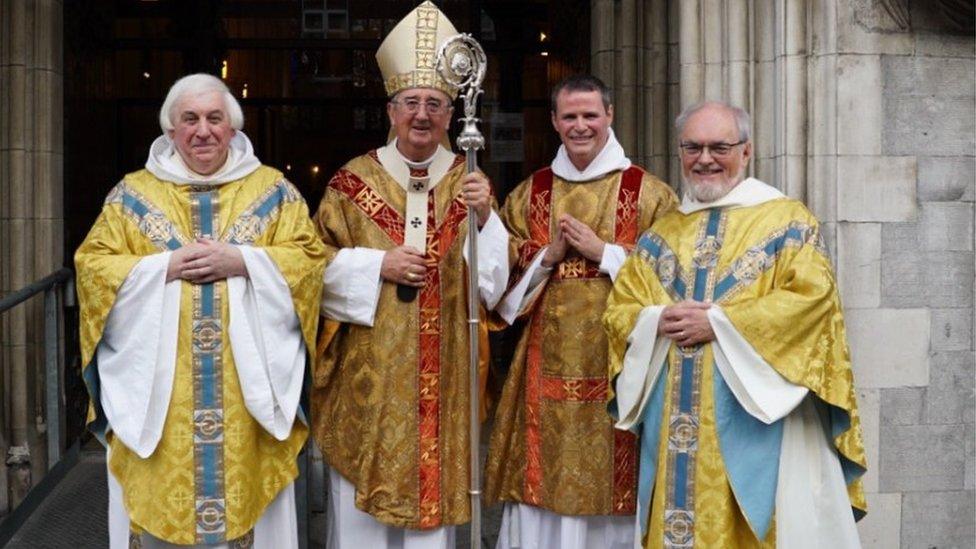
x=407, y=57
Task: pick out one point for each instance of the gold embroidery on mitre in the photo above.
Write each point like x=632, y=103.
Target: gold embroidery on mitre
x=408, y=56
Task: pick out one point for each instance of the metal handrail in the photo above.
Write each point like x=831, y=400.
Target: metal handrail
x=52, y=375
x=16, y=298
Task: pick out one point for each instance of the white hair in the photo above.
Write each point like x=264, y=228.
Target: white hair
x=743, y=121
x=198, y=84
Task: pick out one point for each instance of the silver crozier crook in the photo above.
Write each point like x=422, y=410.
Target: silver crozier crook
x=461, y=62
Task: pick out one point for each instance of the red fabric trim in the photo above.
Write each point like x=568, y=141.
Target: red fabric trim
x=439, y=242
x=540, y=206
x=628, y=196
x=531, y=492
x=440, y=238
x=371, y=203
x=624, y=472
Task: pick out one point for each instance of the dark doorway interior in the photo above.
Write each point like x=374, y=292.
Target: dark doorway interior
x=307, y=78
x=305, y=73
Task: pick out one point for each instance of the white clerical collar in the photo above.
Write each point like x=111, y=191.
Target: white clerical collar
x=422, y=165
x=190, y=173
x=165, y=162
x=610, y=159
x=750, y=192
x=399, y=167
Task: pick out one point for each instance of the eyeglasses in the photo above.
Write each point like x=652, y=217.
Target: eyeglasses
x=412, y=106
x=718, y=150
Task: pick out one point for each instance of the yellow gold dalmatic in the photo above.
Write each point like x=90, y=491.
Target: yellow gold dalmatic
x=553, y=444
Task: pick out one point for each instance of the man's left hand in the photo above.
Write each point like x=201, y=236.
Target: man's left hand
x=686, y=323
x=216, y=261
x=476, y=192
x=581, y=237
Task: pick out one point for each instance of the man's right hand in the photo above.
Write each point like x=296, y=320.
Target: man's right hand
x=183, y=255
x=404, y=265
x=556, y=251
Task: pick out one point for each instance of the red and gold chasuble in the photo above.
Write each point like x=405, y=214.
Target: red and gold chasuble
x=553, y=443
x=390, y=402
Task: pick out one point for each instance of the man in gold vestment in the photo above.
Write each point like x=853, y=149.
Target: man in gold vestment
x=567, y=478
x=729, y=357
x=391, y=390
x=198, y=286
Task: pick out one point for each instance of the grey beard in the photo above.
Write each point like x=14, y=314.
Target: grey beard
x=710, y=193
x=705, y=193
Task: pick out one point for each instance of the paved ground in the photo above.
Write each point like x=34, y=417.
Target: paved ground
x=75, y=515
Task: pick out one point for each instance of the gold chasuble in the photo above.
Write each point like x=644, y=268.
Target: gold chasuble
x=215, y=469
x=708, y=473
x=390, y=402
x=553, y=444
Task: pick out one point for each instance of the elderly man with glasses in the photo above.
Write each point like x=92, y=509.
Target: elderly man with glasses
x=391, y=388
x=729, y=358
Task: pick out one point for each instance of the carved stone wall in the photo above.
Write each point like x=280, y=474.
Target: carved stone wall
x=863, y=109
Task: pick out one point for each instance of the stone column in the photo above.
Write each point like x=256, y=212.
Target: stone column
x=629, y=51
x=752, y=53
x=31, y=215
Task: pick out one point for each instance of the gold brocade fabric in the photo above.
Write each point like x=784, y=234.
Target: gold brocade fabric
x=143, y=216
x=767, y=268
x=553, y=444
x=390, y=402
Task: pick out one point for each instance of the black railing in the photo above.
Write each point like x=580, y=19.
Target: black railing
x=50, y=285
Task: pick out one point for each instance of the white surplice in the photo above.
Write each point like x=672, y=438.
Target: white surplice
x=350, y=528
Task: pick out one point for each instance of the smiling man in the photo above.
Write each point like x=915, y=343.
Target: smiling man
x=198, y=287
x=567, y=478
x=391, y=383
x=729, y=358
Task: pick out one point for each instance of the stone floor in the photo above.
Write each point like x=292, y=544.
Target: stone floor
x=75, y=515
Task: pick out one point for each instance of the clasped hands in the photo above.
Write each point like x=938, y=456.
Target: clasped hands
x=573, y=233
x=686, y=323
x=205, y=261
